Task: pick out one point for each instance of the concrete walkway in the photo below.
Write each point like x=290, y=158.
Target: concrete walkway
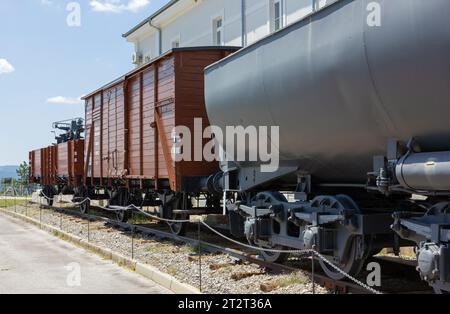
x=34, y=262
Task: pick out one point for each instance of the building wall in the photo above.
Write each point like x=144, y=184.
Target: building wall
x=194, y=27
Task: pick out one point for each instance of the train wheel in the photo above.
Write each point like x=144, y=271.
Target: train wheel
x=85, y=207
x=178, y=228
x=167, y=212
x=49, y=195
x=351, y=266
x=274, y=257
x=123, y=215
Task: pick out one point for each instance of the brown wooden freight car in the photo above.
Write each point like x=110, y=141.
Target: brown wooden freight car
x=58, y=168
x=129, y=126
x=129, y=123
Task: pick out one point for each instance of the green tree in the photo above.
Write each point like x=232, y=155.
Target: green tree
x=23, y=172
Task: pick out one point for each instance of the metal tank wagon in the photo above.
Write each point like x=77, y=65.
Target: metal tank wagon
x=363, y=116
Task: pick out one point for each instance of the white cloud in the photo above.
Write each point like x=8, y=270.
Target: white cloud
x=46, y=2
x=61, y=100
x=116, y=6
x=6, y=67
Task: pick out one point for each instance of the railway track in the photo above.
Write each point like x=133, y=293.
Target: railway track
x=313, y=271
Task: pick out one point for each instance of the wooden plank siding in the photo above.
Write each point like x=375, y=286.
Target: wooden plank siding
x=132, y=120
x=58, y=164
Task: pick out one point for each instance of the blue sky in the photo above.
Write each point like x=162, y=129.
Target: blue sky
x=45, y=65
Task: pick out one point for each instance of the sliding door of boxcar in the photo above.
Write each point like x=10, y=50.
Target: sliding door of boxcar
x=108, y=102
x=165, y=118
x=63, y=160
x=31, y=165
x=37, y=163
x=150, y=141
x=135, y=125
x=53, y=165
x=97, y=147
x=150, y=91
x=190, y=97
x=89, y=136
x=114, y=144
x=77, y=159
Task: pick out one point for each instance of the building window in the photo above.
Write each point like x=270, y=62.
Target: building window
x=277, y=15
x=218, y=31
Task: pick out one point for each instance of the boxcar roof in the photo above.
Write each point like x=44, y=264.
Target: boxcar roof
x=165, y=55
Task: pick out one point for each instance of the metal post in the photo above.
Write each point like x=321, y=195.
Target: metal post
x=21, y=199
x=313, y=271
x=132, y=235
x=132, y=242
x=200, y=255
x=26, y=198
x=89, y=226
x=26, y=201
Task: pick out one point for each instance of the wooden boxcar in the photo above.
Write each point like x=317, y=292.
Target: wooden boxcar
x=43, y=165
x=58, y=168
x=129, y=130
x=35, y=164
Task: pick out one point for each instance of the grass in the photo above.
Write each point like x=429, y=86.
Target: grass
x=139, y=220
x=292, y=280
x=405, y=252
x=188, y=249
x=10, y=203
x=295, y=279
x=408, y=252
x=158, y=248
x=172, y=271
x=60, y=236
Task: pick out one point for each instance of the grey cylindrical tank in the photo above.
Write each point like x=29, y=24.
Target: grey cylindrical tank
x=340, y=89
x=425, y=171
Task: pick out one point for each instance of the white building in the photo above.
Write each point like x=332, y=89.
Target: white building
x=190, y=23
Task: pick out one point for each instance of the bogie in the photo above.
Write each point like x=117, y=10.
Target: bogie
x=334, y=227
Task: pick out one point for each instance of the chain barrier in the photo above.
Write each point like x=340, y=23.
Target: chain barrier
x=309, y=252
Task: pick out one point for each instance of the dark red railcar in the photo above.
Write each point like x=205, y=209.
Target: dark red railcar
x=129, y=133
x=129, y=122
x=58, y=168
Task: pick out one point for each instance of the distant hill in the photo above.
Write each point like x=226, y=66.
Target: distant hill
x=8, y=171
